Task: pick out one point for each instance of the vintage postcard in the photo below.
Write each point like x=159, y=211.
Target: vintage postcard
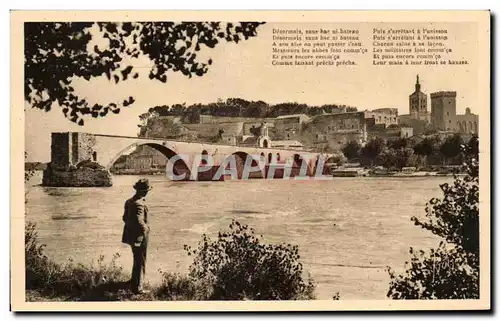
x=250, y=160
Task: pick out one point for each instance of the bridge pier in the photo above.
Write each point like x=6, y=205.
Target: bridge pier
x=73, y=163
x=73, y=176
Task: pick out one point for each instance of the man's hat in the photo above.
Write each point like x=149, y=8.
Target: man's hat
x=142, y=185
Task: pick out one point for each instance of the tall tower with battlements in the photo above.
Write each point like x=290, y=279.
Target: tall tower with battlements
x=444, y=110
x=418, y=104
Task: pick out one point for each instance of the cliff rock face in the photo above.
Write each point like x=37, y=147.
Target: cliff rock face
x=73, y=176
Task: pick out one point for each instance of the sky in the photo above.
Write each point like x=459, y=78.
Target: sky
x=244, y=70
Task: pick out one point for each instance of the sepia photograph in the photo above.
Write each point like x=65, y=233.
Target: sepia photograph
x=320, y=160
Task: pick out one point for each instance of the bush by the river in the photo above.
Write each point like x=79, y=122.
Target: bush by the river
x=239, y=266
x=450, y=271
x=69, y=281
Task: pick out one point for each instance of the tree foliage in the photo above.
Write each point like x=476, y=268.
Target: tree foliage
x=239, y=266
x=451, y=147
x=452, y=270
x=372, y=150
x=351, y=150
x=404, y=152
x=443, y=273
x=398, y=143
x=57, y=53
x=425, y=147
x=238, y=107
x=395, y=158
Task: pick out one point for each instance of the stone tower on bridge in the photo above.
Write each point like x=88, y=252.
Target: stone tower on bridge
x=74, y=162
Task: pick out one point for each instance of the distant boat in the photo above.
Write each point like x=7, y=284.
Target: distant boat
x=349, y=172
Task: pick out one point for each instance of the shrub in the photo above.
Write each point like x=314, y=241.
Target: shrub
x=40, y=271
x=443, y=273
x=452, y=270
x=70, y=280
x=178, y=287
x=81, y=280
x=238, y=266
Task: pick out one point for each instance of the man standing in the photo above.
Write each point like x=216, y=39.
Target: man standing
x=136, y=232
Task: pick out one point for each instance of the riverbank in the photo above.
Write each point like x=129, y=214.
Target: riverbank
x=368, y=173
x=355, y=170
x=223, y=269
x=416, y=174
x=117, y=290
x=47, y=280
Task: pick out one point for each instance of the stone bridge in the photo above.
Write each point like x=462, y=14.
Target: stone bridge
x=190, y=159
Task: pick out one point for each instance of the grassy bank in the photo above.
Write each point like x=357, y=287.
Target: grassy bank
x=235, y=266
x=50, y=281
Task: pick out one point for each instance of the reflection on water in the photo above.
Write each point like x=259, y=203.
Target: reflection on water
x=348, y=229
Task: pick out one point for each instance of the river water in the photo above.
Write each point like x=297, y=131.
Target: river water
x=347, y=229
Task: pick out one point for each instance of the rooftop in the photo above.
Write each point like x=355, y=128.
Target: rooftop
x=286, y=143
x=292, y=116
x=444, y=93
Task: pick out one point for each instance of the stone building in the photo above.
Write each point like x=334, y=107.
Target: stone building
x=142, y=159
x=467, y=123
x=385, y=116
x=333, y=131
x=259, y=137
x=226, y=133
x=152, y=157
x=289, y=127
x=418, y=103
x=140, y=162
x=288, y=144
x=396, y=132
x=444, y=110
x=406, y=132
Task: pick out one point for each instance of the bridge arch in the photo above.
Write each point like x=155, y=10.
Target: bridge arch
x=241, y=158
x=329, y=160
x=180, y=167
x=204, y=155
x=298, y=162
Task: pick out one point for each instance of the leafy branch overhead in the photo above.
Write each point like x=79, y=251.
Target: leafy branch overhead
x=58, y=53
